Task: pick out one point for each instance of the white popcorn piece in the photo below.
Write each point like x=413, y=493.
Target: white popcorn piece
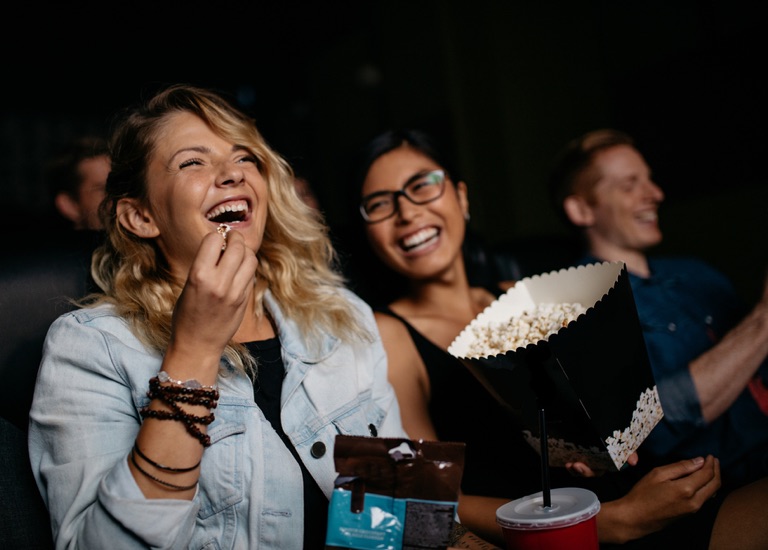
x=531, y=326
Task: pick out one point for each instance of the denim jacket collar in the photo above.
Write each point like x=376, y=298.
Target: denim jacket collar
x=291, y=339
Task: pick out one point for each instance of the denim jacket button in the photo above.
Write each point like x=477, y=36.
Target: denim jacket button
x=318, y=449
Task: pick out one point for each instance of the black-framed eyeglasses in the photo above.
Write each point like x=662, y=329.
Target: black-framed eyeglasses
x=419, y=189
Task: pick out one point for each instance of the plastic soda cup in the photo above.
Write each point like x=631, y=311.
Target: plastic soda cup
x=569, y=522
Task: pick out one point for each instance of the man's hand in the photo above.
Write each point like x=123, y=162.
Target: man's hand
x=662, y=496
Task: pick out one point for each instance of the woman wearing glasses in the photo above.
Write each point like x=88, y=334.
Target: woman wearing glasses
x=414, y=211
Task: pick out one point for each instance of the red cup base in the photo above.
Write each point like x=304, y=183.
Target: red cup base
x=580, y=536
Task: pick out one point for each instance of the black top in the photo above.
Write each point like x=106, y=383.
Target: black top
x=461, y=409
x=266, y=391
x=498, y=461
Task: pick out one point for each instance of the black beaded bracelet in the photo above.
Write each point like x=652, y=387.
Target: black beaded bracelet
x=160, y=481
x=160, y=466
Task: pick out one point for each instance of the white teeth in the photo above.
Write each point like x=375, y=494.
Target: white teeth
x=237, y=206
x=648, y=216
x=419, y=237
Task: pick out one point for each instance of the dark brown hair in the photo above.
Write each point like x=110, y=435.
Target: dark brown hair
x=62, y=171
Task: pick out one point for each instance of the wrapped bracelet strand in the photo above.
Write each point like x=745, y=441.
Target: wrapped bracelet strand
x=187, y=419
x=164, y=377
x=190, y=392
x=158, y=480
x=161, y=466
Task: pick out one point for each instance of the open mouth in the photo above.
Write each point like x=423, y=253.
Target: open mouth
x=229, y=212
x=419, y=239
x=650, y=216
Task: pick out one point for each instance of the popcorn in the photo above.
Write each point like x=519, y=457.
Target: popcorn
x=595, y=376
x=222, y=230
x=531, y=326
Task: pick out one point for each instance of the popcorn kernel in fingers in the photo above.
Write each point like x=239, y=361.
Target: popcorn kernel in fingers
x=222, y=230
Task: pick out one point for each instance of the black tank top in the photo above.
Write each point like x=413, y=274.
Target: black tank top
x=498, y=461
x=266, y=391
x=462, y=410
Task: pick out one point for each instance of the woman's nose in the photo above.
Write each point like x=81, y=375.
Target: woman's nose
x=404, y=208
x=230, y=174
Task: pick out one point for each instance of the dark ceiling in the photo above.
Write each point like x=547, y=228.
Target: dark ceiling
x=96, y=57
x=507, y=81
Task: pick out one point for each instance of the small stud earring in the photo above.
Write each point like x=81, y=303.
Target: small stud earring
x=466, y=216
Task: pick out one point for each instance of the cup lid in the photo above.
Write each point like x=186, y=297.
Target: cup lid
x=570, y=505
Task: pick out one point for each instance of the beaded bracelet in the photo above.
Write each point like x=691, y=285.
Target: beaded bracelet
x=188, y=420
x=160, y=466
x=177, y=414
x=200, y=392
x=169, y=394
x=160, y=481
x=190, y=392
x=191, y=383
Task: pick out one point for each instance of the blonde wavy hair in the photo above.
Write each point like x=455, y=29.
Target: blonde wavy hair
x=296, y=259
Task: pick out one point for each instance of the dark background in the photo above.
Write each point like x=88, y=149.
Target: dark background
x=505, y=83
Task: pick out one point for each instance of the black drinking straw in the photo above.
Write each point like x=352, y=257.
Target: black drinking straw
x=544, y=459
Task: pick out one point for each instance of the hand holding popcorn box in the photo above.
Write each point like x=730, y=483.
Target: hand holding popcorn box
x=569, y=342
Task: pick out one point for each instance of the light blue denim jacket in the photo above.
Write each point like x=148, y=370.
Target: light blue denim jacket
x=85, y=416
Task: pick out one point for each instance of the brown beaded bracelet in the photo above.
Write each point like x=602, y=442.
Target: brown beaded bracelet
x=178, y=415
x=190, y=392
x=191, y=383
x=187, y=419
x=160, y=466
x=202, y=401
x=194, y=396
x=160, y=481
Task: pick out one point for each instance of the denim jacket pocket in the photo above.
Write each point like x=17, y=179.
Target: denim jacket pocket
x=221, y=474
x=363, y=417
